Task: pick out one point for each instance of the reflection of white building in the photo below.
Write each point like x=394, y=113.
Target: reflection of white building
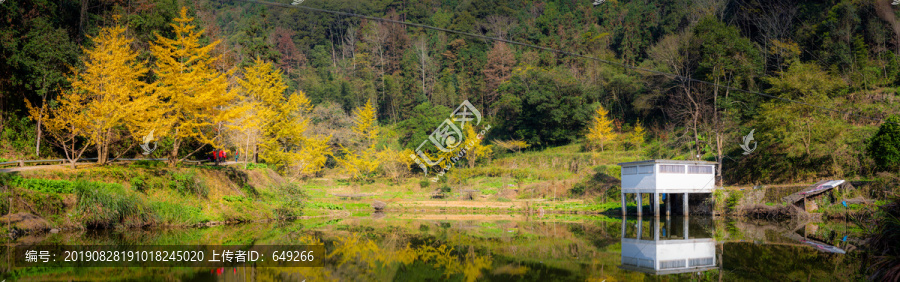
x=673, y=178
x=667, y=255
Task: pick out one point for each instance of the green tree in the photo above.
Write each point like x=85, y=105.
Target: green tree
x=725, y=58
x=552, y=109
x=799, y=129
x=45, y=57
x=884, y=146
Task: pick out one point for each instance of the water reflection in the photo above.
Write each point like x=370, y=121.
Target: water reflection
x=433, y=247
x=666, y=247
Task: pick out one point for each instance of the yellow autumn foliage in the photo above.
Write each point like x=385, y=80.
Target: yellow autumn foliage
x=512, y=145
x=395, y=164
x=601, y=130
x=636, y=138
x=361, y=163
x=196, y=95
x=476, y=147
x=365, y=123
x=108, y=100
x=280, y=121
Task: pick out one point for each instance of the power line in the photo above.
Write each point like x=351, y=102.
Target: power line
x=568, y=53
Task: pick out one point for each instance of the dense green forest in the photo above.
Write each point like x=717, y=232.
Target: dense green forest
x=820, y=76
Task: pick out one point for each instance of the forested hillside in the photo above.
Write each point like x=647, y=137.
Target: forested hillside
x=815, y=81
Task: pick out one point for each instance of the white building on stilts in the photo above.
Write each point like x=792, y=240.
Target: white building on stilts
x=666, y=177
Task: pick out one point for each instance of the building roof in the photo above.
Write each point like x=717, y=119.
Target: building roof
x=667, y=162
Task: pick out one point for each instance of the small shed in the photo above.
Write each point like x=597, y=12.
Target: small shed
x=666, y=177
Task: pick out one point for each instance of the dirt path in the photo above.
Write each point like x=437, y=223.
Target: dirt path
x=42, y=167
x=67, y=166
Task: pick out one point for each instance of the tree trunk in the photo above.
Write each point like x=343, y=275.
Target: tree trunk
x=718, y=128
x=84, y=7
x=173, y=156
x=37, y=145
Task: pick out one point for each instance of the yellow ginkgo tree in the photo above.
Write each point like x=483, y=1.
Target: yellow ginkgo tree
x=108, y=100
x=196, y=95
x=636, y=138
x=476, y=147
x=360, y=162
x=65, y=124
x=281, y=122
x=601, y=130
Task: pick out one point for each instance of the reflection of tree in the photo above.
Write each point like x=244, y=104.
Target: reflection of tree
x=356, y=255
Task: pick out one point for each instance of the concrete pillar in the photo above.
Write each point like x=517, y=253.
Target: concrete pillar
x=655, y=204
x=805, y=207
x=656, y=229
x=685, y=220
x=668, y=204
x=669, y=228
x=640, y=204
x=624, y=226
x=624, y=208
x=686, y=211
x=640, y=228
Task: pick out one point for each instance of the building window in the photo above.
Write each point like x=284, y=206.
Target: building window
x=629, y=170
x=700, y=262
x=645, y=169
x=669, y=264
x=671, y=169
x=700, y=169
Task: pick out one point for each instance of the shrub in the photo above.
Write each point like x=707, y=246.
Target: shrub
x=425, y=183
x=237, y=176
x=176, y=214
x=884, y=146
x=293, y=200
x=600, y=183
x=234, y=199
x=185, y=183
x=256, y=166
x=103, y=205
x=139, y=184
x=733, y=198
x=44, y=185
x=326, y=206
x=147, y=163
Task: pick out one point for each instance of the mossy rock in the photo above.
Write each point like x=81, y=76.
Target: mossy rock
x=25, y=222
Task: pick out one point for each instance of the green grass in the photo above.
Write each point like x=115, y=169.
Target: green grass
x=47, y=185
x=325, y=206
x=176, y=214
x=256, y=166
x=111, y=205
x=356, y=206
x=236, y=199
x=595, y=207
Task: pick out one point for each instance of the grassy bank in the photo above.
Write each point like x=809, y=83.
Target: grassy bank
x=149, y=194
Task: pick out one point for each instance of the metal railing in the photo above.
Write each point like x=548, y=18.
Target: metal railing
x=24, y=163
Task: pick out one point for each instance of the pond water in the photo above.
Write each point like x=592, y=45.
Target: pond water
x=473, y=247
